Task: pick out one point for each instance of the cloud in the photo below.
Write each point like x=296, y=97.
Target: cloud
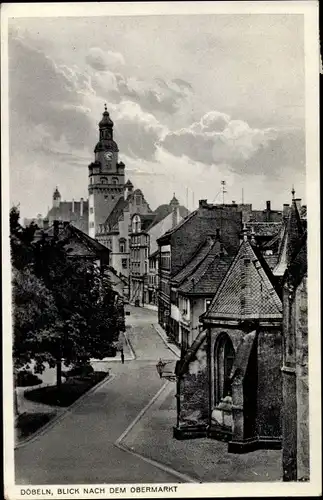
x=102, y=60
x=155, y=95
x=45, y=93
x=139, y=132
x=217, y=139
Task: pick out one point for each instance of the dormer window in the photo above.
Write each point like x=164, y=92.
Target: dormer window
x=136, y=224
x=104, y=180
x=115, y=181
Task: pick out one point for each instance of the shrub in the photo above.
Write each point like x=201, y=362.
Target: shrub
x=26, y=378
x=29, y=423
x=80, y=371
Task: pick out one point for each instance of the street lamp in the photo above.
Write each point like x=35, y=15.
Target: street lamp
x=160, y=367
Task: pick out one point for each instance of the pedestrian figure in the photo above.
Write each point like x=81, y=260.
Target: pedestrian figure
x=122, y=356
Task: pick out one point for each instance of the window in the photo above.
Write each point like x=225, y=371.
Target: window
x=223, y=359
x=115, y=181
x=165, y=260
x=136, y=224
x=207, y=304
x=122, y=245
x=91, y=210
x=137, y=199
x=92, y=224
x=146, y=253
x=124, y=263
x=104, y=180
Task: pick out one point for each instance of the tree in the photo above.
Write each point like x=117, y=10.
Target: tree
x=64, y=307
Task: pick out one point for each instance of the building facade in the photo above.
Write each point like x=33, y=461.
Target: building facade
x=145, y=229
x=115, y=232
x=176, y=252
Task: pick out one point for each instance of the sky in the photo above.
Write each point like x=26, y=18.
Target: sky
x=195, y=100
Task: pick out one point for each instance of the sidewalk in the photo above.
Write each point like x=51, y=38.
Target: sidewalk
x=129, y=354
x=204, y=460
x=161, y=332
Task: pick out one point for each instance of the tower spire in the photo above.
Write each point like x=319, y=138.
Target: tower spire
x=293, y=192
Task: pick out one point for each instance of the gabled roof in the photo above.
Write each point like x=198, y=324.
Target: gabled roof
x=197, y=258
x=68, y=231
x=208, y=276
x=247, y=291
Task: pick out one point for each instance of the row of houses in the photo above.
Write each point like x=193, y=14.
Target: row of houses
x=233, y=296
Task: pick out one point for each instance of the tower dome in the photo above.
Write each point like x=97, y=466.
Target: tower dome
x=106, y=142
x=174, y=201
x=106, y=121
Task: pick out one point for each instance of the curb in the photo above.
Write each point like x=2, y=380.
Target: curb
x=165, y=341
x=133, y=354
x=63, y=413
x=184, y=478
x=114, y=359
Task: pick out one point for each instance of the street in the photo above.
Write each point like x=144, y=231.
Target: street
x=80, y=448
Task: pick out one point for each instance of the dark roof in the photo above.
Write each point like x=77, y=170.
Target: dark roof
x=235, y=300
x=146, y=221
x=297, y=267
x=264, y=228
x=208, y=276
x=163, y=210
x=197, y=258
x=265, y=215
x=65, y=213
x=128, y=183
x=67, y=230
x=116, y=213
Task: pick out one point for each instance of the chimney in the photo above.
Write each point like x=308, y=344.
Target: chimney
x=175, y=217
x=73, y=206
x=81, y=207
x=298, y=203
x=268, y=208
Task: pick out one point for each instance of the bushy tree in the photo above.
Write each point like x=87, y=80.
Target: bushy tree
x=74, y=314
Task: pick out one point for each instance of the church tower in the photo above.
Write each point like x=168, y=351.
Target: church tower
x=106, y=176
